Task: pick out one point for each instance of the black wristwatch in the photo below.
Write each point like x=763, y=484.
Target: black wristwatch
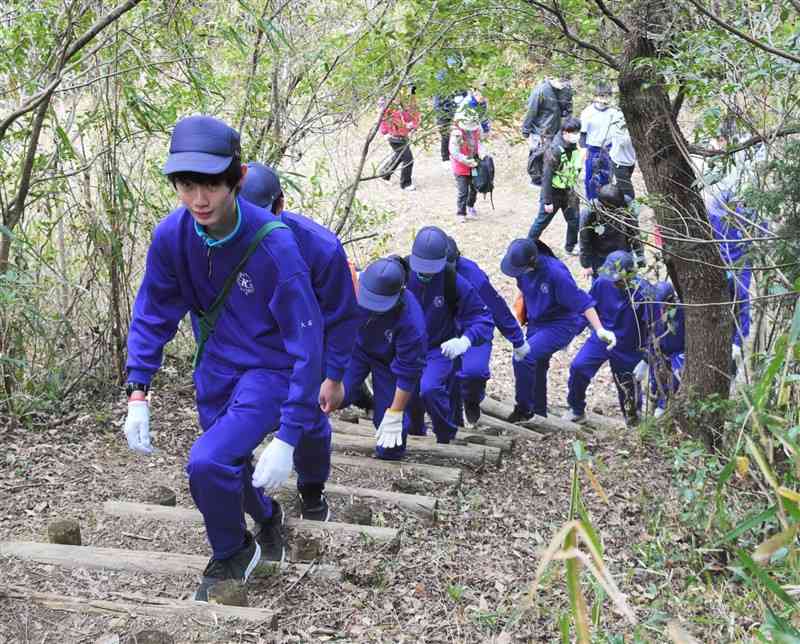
x=136, y=386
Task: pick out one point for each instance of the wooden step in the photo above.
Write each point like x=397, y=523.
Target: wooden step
x=549, y=425
x=475, y=455
x=523, y=433
x=190, y=515
x=435, y=473
x=503, y=443
x=421, y=505
x=151, y=606
x=145, y=561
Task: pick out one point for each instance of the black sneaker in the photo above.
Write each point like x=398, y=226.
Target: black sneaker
x=270, y=536
x=238, y=567
x=313, y=503
x=518, y=416
x=472, y=411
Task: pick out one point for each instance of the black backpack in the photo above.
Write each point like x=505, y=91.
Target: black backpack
x=450, y=290
x=536, y=165
x=484, y=179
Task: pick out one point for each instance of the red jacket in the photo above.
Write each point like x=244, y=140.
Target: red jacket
x=464, y=145
x=398, y=122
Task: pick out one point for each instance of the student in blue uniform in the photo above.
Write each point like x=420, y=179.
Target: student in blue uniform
x=622, y=299
x=330, y=277
x=455, y=319
x=391, y=345
x=665, y=352
x=258, y=362
x=474, y=372
x=556, y=310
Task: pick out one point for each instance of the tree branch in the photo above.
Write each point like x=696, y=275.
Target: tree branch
x=699, y=151
x=736, y=32
x=677, y=104
x=611, y=16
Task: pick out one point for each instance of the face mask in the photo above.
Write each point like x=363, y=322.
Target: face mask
x=556, y=84
x=601, y=103
x=571, y=137
x=425, y=277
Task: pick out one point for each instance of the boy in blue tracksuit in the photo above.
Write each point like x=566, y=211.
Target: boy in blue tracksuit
x=665, y=351
x=556, y=310
x=470, y=386
x=452, y=327
x=330, y=277
x=623, y=306
x=391, y=345
x=258, y=363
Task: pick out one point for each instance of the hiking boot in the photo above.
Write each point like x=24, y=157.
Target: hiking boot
x=237, y=567
x=472, y=412
x=631, y=421
x=472, y=214
x=518, y=415
x=410, y=187
x=313, y=503
x=571, y=250
x=270, y=536
x=574, y=417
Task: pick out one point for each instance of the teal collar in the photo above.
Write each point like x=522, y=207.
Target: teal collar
x=213, y=243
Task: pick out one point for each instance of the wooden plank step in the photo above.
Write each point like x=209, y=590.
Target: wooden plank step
x=549, y=425
x=523, y=433
x=419, y=504
x=473, y=454
x=151, y=606
x=503, y=443
x=435, y=473
x=598, y=421
x=190, y=515
x=146, y=561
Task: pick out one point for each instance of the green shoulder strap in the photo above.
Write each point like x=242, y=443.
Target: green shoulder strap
x=207, y=319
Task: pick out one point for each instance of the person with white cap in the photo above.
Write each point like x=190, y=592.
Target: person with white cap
x=391, y=344
x=555, y=311
x=238, y=271
x=466, y=150
x=455, y=319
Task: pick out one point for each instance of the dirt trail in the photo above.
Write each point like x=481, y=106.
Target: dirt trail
x=457, y=581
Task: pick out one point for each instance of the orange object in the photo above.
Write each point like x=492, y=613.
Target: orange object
x=353, y=275
x=520, y=312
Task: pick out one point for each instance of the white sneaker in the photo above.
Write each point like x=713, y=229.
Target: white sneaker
x=574, y=417
x=659, y=412
x=410, y=187
x=461, y=219
x=447, y=164
x=471, y=213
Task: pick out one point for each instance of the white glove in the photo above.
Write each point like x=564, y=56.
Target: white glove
x=455, y=347
x=274, y=465
x=390, y=432
x=736, y=353
x=640, y=371
x=137, y=427
x=608, y=337
x=521, y=351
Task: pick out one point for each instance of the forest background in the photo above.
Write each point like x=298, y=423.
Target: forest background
x=91, y=91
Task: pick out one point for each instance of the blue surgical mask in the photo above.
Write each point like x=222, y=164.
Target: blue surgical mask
x=425, y=277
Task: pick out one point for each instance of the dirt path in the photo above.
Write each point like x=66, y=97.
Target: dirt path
x=457, y=581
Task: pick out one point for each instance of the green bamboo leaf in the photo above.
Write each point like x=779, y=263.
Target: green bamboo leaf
x=587, y=525
x=768, y=582
x=746, y=525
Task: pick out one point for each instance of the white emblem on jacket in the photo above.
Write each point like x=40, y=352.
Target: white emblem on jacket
x=245, y=283
x=545, y=288
x=438, y=301
x=388, y=335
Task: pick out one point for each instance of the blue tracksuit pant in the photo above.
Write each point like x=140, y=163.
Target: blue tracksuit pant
x=237, y=410
x=433, y=396
x=530, y=374
x=597, y=170
x=474, y=372
x=590, y=358
x=384, y=384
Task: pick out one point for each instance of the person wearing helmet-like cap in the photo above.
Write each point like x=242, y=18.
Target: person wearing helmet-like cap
x=466, y=150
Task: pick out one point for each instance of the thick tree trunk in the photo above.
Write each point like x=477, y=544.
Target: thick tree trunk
x=693, y=263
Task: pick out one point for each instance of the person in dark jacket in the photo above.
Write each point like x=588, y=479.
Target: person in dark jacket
x=609, y=223
x=555, y=311
x=547, y=104
x=561, y=169
x=474, y=372
x=667, y=346
x=451, y=331
x=391, y=344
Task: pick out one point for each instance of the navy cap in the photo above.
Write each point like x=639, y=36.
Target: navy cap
x=429, y=252
x=202, y=144
x=380, y=285
x=261, y=185
x=520, y=256
x=618, y=265
x=664, y=292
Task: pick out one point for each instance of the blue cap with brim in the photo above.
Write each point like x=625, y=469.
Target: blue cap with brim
x=202, y=144
x=429, y=252
x=261, y=185
x=617, y=265
x=519, y=257
x=380, y=285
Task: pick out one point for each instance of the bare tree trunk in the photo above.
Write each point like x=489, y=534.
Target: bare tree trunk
x=681, y=213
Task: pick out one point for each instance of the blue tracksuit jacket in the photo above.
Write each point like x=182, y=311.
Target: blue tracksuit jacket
x=333, y=285
x=552, y=296
x=503, y=318
x=472, y=318
x=271, y=317
x=624, y=312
